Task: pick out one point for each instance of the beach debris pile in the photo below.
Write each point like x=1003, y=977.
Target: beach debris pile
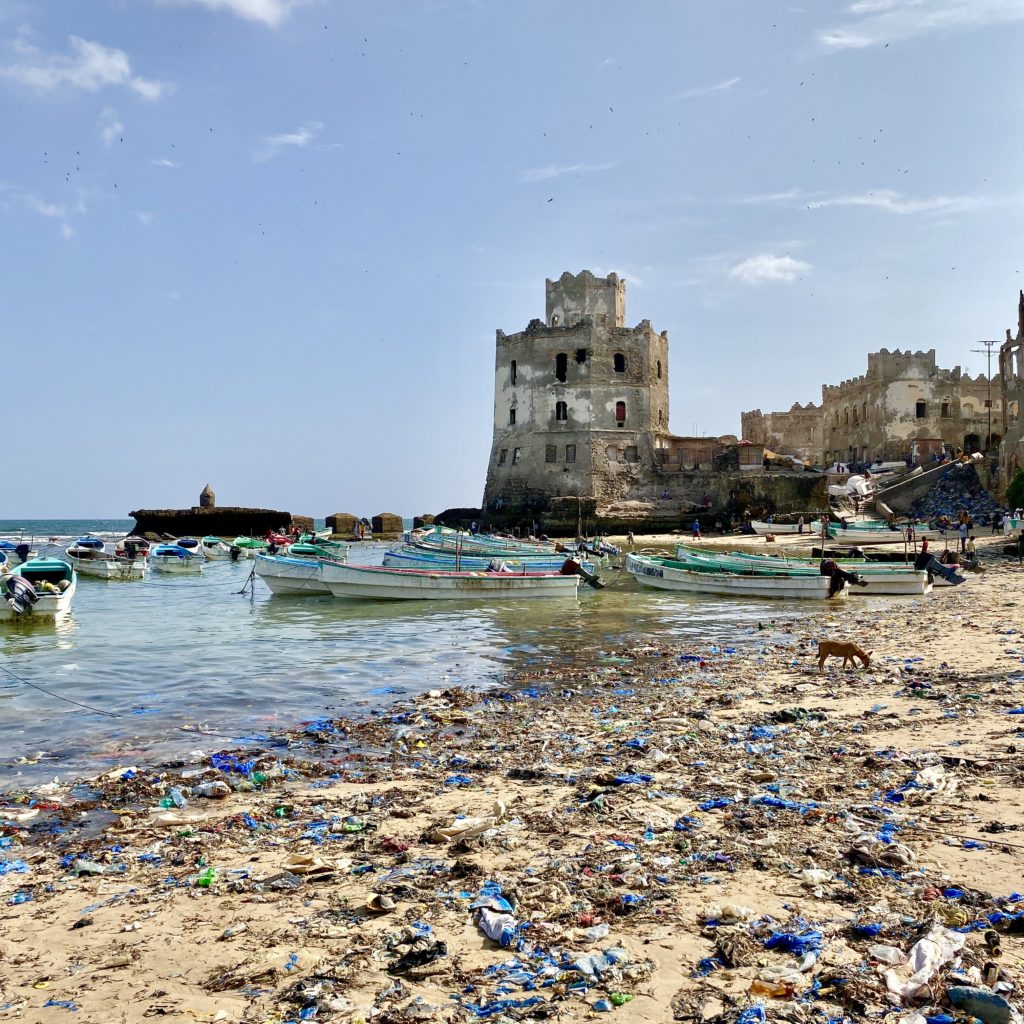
x=957, y=491
x=668, y=833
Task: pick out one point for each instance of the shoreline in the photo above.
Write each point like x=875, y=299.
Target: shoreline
x=633, y=791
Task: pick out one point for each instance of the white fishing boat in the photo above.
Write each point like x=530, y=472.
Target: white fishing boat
x=882, y=579
x=191, y=544
x=762, y=529
x=215, y=549
x=133, y=547
x=40, y=589
x=667, y=574
x=857, y=535
x=17, y=551
x=378, y=582
x=88, y=557
x=173, y=559
x=285, y=574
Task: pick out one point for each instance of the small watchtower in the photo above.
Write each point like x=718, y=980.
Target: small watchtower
x=207, y=499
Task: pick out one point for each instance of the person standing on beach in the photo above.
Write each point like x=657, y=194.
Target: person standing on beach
x=963, y=534
x=629, y=539
x=696, y=529
x=1006, y=523
x=800, y=525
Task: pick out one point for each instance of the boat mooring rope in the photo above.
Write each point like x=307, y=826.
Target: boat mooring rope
x=68, y=700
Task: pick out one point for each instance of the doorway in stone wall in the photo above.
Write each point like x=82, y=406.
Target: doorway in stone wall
x=972, y=444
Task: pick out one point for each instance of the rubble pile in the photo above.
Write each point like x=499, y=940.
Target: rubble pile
x=956, y=492
x=664, y=833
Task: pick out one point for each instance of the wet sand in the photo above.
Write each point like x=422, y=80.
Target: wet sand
x=642, y=791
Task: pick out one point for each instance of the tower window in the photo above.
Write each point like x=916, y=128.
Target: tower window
x=550, y=453
x=515, y=455
x=561, y=411
x=661, y=417
x=631, y=453
x=512, y=416
x=620, y=363
x=581, y=355
x=512, y=368
x=570, y=453
x=620, y=413
x=561, y=365
x=502, y=456
x=945, y=411
x=659, y=369
x=921, y=409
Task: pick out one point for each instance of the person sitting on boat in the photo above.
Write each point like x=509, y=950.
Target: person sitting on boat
x=473, y=528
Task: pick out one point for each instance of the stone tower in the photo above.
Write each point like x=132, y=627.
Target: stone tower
x=579, y=401
x=207, y=499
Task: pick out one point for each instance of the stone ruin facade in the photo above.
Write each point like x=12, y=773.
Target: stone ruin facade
x=1011, y=374
x=581, y=421
x=799, y=432
x=905, y=406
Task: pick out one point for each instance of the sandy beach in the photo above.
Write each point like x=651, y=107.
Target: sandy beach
x=662, y=833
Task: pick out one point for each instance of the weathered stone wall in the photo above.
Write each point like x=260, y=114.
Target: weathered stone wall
x=797, y=432
x=387, y=524
x=587, y=395
x=904, y=396
x=219, y=522
x=1011, y=373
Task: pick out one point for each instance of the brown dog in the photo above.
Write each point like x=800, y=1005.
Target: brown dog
x=849, y=652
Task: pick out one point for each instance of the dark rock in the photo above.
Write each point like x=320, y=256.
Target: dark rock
x=220, y=522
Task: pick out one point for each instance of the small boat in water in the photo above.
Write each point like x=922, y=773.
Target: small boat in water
x=409, y=557
x=39, y=589
x=373, y=582
x=214, y=548
x=762, y=529
x=17, y=551
x=249, y=546
x=190, y=544
x=88, y=557
x=133, y=547
x=881, y=578
x=286, y=574
x=174, y=559
x=669, y=574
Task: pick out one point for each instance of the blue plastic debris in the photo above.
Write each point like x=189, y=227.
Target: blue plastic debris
x=797, y=944
x=636, y=778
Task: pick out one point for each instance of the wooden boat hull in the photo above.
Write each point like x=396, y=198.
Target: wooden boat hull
x=286, y=575
x=763, y=529
x=49, y=607
x=894, y=580
x=414, y=558
x=666, y=575
x=104, y=567
x=379, y=583
x=859, y=537
x=175, y=565
x=214, y=549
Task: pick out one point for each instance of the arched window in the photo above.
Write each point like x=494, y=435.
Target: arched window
x=620, y=413
x=512, y=368
x=921, y=409
x=855, y=415
x=620, y=363
x=944, y=410
x=612, y=453
x=659, y=369
x=561, y=411
x=864, y=412
x=967, y=410
x=561, y=363
x=661, y=417
x=846, y=417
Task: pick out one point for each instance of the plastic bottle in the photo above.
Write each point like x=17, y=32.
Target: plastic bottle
x=215, y=790
x=602, y=1005
x=233, y=931
x=621, y=998
x=177, y=796
x=204, y=880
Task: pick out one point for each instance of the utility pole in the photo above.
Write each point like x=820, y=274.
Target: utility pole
x=987, y=351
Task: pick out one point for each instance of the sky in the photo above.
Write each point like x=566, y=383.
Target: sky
x=265, y=244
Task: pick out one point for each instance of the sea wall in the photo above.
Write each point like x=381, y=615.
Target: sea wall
x=220, y=522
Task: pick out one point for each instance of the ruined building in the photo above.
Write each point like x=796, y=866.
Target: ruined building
x=581, y=413
x=1011, y=374
x=798, y=432
x=904, y=406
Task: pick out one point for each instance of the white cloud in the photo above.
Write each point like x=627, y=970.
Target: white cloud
x=90, y=66
x=608, y=62
x=267, y=12
x=885, y=199
x=707, y=90
x=16, y=197
x=145, y=218
x=768, y=267
x=164, y=162
x=66, y=230
x=110, y=127
x=877, y=22
x=299, y=139
x=558, y=170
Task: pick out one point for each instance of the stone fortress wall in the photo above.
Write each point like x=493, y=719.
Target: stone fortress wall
x=1011, y=372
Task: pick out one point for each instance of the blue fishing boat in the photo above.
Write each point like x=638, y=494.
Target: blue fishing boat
x=172, y=558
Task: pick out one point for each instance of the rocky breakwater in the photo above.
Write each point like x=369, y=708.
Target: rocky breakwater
x=221, y=522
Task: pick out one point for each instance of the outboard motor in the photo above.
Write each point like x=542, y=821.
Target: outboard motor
x=570, y=567
x=20, y=594
x=22, y=551
x=234, y=552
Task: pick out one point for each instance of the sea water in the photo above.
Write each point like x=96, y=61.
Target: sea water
x=206, y=662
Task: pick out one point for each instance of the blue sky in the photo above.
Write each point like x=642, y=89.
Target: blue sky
x=266, y=244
